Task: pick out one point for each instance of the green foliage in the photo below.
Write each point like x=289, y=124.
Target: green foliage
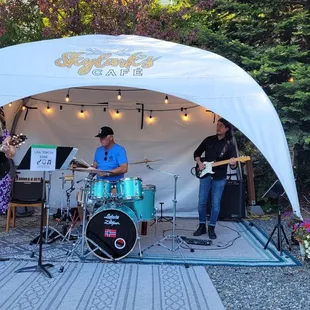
x=20, y=22
x=270, y=39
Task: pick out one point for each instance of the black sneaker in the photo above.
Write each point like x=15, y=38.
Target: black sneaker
x=57, y=215
x=211, y=232
x=201, y=230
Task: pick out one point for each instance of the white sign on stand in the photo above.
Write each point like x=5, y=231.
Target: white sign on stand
x=43, y=157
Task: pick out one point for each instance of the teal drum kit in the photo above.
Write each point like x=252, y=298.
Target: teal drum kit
x=116, y=210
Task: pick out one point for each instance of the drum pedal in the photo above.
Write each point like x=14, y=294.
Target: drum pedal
x=196, y=241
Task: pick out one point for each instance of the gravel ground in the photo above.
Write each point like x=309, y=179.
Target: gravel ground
x=257, y=288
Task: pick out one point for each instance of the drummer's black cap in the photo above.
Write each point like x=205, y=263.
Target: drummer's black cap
x=105, y=131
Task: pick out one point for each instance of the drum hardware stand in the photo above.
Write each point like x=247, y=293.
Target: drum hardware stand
x=51, y=233
x=81, y=238
x=63, y=182
x=75, y=218
x=162, y=218
x=177, y=241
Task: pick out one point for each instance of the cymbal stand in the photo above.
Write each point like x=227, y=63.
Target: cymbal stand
x=177, y=241
x=63, y=183
x=73, y=219
x=82, y=238
x=52, y=233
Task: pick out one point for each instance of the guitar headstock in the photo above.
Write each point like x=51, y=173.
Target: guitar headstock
x=17, y=140
x=243, y=159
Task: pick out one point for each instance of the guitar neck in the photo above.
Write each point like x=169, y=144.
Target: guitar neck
x=223, y=162
x=220, y=163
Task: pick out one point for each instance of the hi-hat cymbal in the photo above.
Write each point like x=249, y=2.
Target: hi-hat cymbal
x=144, y=161
x=90, y=170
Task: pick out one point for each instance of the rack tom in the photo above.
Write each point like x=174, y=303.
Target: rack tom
x=130, y=189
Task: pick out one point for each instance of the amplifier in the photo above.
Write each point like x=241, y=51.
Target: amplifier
x=27, y=190
x=233, y=201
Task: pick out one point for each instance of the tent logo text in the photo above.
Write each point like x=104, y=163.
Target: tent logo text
x=100, y=65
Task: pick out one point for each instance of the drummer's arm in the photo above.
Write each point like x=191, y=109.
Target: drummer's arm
x=123, y=168
x=94, y=165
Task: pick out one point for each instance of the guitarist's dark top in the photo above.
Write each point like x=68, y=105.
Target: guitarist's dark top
x=213, y=147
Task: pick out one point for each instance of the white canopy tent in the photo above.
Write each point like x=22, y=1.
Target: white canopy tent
x=188, y=75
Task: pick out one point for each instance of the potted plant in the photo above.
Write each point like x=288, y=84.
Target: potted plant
x=301, y=233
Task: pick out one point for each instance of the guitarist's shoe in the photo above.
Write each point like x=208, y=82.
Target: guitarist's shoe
x=211, y=232
x=201, y=230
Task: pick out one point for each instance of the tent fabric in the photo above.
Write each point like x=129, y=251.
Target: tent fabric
x=195, y=75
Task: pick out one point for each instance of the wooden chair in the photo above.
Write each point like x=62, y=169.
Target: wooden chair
x=24, y=194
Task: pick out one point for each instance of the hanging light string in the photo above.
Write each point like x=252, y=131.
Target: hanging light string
x=106, y=105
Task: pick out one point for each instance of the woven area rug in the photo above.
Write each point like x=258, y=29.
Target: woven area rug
x=238, y=244
x=108, y=286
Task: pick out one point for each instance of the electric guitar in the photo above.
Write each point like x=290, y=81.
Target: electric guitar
x=209, y=165
x=16, y=140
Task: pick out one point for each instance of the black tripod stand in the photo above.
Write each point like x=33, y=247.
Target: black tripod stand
x=162, y=218
x=276, y=191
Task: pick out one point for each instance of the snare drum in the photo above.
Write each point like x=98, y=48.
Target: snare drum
x=145, y=208
x=130, y=189
x=100, y=190
x=112, y=232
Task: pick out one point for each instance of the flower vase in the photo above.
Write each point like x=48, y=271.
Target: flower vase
x=302, y=251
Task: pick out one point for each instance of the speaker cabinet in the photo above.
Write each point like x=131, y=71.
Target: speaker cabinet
x=233, y=201
x=27, y=191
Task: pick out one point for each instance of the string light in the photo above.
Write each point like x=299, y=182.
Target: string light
x=185, y=115
x=104, y=109
x=10, y=104
x=60, y=107
x=48, y=106
x=166, y=99
x=119, y=95
x=82, y=111
x=151, y=115
x=291, y=79
x=117, y=111
x=68, y=96
x=24, y=107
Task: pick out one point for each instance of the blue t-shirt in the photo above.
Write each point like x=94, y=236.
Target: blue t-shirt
x=110, y=159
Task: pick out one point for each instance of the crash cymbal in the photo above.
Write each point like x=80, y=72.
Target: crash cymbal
x=144, y=161
x=90, y=170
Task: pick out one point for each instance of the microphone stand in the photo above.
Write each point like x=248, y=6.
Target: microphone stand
x=177, y=241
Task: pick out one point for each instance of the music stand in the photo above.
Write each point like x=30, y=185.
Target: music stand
x=276, y=191
x=44, y=158
x=64, y=156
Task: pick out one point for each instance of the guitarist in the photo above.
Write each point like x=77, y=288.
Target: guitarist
x=6, y=152
x=217, y=147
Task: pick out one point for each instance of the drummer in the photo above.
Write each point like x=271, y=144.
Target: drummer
x=110, y=157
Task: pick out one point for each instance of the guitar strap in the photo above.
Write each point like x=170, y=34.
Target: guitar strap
x=225, y=148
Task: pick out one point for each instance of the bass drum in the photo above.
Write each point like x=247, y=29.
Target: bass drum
x=112, y=232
